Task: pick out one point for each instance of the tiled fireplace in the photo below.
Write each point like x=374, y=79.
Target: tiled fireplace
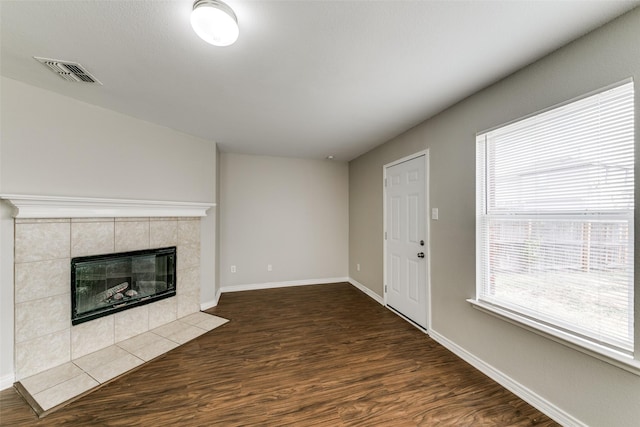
x=43, y=249
x=44, y=335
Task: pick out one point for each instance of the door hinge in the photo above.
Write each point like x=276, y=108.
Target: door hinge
x=385, y=182
x=385, y=235
x=385, y=288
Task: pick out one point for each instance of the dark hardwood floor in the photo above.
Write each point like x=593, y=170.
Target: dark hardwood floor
x=323, y=355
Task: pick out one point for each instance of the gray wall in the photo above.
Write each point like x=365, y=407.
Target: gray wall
x=54, y=145
x=290, y=213
x=582, y=386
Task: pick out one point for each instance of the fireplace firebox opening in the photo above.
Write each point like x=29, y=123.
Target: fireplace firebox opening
x=106, y=284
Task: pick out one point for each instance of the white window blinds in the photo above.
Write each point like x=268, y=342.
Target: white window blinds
x=555, y=198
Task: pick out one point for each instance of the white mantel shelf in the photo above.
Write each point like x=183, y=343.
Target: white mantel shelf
x=31, y=206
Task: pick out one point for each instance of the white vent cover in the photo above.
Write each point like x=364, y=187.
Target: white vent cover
x=70, y=71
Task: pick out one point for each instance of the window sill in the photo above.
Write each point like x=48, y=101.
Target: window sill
x=605, y=354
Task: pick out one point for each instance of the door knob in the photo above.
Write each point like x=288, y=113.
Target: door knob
x=420, y=254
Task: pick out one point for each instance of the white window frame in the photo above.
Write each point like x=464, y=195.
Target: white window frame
x=628, y=362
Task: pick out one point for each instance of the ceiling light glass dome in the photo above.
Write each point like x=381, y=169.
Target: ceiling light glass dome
x=214, y=22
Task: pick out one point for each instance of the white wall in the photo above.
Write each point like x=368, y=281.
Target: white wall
x=290, y=213
x=55, y=145
x=579, y=386
x=6, y=297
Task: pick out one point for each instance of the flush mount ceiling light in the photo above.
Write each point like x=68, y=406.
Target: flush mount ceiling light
x=214, y=22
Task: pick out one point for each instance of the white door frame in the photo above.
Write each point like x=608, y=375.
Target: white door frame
x=427, y=228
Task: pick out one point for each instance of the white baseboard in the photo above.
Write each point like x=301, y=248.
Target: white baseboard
x=377, y=298
x=271, y=285
x=6, y=381
x=509, y=383
x=210, y=304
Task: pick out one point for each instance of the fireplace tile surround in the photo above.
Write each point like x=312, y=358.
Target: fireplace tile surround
x=44, y=337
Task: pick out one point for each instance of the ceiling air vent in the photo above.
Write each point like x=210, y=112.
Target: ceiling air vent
x=70, y=71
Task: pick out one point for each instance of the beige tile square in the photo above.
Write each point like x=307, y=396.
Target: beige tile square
x=139, y=341
x=179, y=332
x=155, y=347
x=92, y=336
x=51, y=377
x=42, y=353
x=105, y=219
x=60, y=393
x=42, y=317
x=195, y=318
x=188, y=303
x=163, y=233
x=40, y=220
x=41, y=241
x=99, y=358
x=187, y=334
x=132, y=235
x=188, y=257
x=131, y=322
x=203, y=320
x=212, y=323
x=132, y=219
x=115, y=367
x=34, y=280
x=188, y=280
x=163, y=312
x=189, y=232
x=170, y=328
x=92, y=238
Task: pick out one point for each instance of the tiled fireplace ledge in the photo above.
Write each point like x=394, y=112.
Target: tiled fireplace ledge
x=52, y=389
x=32, y=206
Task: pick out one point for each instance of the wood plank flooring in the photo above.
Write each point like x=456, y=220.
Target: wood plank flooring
x=324, y=355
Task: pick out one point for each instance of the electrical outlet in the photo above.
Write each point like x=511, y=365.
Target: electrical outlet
x=233, y=268
x=269, y=267
x=358, y=267
x=434, y=214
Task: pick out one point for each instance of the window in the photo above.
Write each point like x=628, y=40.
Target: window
x=555, y=199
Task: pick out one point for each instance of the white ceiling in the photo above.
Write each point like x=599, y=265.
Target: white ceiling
x=306, y=78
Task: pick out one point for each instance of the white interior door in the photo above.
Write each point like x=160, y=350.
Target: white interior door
x=405, y=232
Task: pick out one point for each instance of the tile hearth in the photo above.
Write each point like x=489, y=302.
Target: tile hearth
x=53, y=388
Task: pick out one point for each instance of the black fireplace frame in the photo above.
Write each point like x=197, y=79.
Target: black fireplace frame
x=115, y=308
